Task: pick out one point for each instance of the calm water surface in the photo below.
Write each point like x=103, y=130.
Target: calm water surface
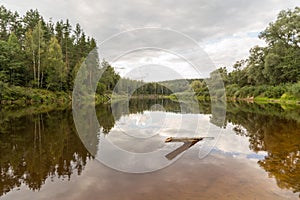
x=256, y=156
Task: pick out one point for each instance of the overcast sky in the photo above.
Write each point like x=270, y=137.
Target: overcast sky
x=225, y=30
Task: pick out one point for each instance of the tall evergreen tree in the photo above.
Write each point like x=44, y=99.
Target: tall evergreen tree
x=16, y=64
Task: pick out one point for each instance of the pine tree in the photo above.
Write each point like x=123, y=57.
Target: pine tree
x=16, y=64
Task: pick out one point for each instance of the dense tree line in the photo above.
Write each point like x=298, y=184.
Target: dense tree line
x=273, y=70
x=39, y=54
x=138, y=87
x=164, y=88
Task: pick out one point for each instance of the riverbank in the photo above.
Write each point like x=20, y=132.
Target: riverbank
x=22, y=96
x=273, y=100
x=16, y=96
x=263, y=100
x=284, y=93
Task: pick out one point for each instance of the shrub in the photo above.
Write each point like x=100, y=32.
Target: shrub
x=259, y=90
x=231, y=90
x=274, y=91
x=295, y=90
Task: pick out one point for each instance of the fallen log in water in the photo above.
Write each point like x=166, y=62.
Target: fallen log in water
x=187, y=143
x=179, y=150
x=186, y=139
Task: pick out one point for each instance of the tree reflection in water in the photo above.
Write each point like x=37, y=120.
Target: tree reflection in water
x=276, y=130
x=36, y=147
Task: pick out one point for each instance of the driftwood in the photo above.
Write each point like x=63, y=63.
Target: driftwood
x=186, y=139
x=188, y=143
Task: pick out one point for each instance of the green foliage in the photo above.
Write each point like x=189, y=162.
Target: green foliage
x=272, y=71
x=35, y=53
x=109, y=78
x=294, y=90
x=55, y=67
x=274, y=92
x=200, y=88
x=231, y=90
x=277, y=63
x=12, y=69
x=286, y=91
x=20, y=95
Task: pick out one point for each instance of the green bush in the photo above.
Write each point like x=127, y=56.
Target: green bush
x=287, y=91
x=247, y=91
x=231, y=90
x=237, y=93
x=36, y=98
x=274, y=91
x=287, y=96
x=19, y=95
x=295, y=90
x=259, y=90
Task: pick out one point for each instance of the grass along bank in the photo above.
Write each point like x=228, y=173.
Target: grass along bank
x=18, y=95
x=284, y=93
x=23, y=96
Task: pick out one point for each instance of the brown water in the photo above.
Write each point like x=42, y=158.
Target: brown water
x=257, y=156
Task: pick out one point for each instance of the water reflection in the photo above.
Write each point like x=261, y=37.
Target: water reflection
x=270, y=128
x=37, y=147
x=135, y=142
x=276, y=130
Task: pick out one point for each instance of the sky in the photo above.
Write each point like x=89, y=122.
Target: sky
x=223, y=31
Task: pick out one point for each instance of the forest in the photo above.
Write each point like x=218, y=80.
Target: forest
x=39, y=61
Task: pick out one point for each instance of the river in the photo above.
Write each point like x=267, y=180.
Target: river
x=254, y=153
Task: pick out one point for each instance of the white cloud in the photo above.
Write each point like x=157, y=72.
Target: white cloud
x=226, y=51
